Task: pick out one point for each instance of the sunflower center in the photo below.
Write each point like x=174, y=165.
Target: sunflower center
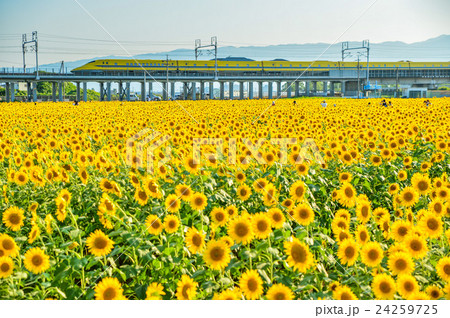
x=408, y=196
x=262, y=226
x=198, y=201
x=8, y=245
x=365, y=211
x=220, y=217
x=276, y=217
x=363, y=236
x=5, y=267
x=14, y=218
x=280, y=296
x=409, y=286
x=299, y=191
x=303, y=214
x=241, y=229
x=447, y=269
x=343, y=236
x=155, y=224
x=434, y=294
x=37, y=260
x=432, y=224
x=142, y=195
x=349, y=252
x=416, y=245
x=196, y=240
x=100, y=243
x=346, y=296
x=348, y=192
x=298, y=253
x=400, y=264
x=252, y=284
x=402, y=231
x=422, y=185
x=109, y=293
x=437, y=208
x=217, y=253
x=373, y=255
x=172, y=224
x=385, y=287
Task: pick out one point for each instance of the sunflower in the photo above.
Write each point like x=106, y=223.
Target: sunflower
x=393, y=188
x=173, y=203
x=83, y=175
x=339, y=224
x=109, y=289
x=302, y=169
x=434, y=292
x=299, y=256
x=418, y=295
x=195, y=241
x=99, y=243
x=13, y=218
x=383, y=286
x=402, y=175
x=409, y=197
x=363, y=210
x=343, y=213
x=6, y=266
x=270, y=195
x=184, y=192
x=400, y=229
x=416, y=246
x=240, y=230
x=261, y=225
x=66, y=195
x=421, y=183
x=362, y=234
x=279, y=292
x=21, y=178
x=437, y=207
x=106, y=185
x=251, y=284
x=217, y=254
x=240, y=176
x=36, y=260
x=345, y=177
x=407, y=285
x=141, y=196
x=342, y=292
x=153, y=224
x=297, y=190
x=243, y=192
x=276, y=217
x=303, y=214
x=371, y=254
x=376, y=160
x=191, y=165
x=443, y=268
x=260, y=184
x=348, y=252
x=152, y=188
x=8, y=246
x=232, y=211
x=198, y=201
x=347, y=195
x=431, y=225
x=229, y=294
x=171, y=223
x=219, y=217
x=154, y=291
x=186, y=288
x=34, y=234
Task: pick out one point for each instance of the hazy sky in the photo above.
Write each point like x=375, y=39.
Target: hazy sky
x=66, y=32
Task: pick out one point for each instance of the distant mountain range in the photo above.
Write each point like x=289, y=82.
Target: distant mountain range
x=433, y=50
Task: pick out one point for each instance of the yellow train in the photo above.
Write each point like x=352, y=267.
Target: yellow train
x=137, y=67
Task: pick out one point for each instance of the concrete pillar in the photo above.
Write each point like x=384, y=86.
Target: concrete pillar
x=278, y=89
x=185, y=90
x=54, y=92
x=222, y=90
x=34, y=89
x=260, y=90
x=194, y=91
x=143, y=94
x=120, y=91
x=78, y=91
x=307, y=88
x=29, y=92
x=297, y=89
x=331, y=89
x=165, y=92
x=289, y=89
x=85, y=91
x=13, y=92
x=150, y=89
x=241, y=90
x=314, y=87
x=128, y=91
x=231, y=88
x=60, y=91
x=250, y=90
x=325, y=87
x=343, y=88
x=202, y=90
x=172, y=90
x=211, y=90
x=108, y=91
x=8, y=92
x=270, y=89
x=102, y=91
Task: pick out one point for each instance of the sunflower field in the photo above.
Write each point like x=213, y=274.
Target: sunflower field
x=370, y=220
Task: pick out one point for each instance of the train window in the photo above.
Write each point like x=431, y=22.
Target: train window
x=115, y=63
x=290, y=65
x=273, y=64
x=227, y=65
x=432, y=65
x=206, y=64
x=328, y=65
x=107, y=62
x=257, y=65
x=195, y=64
x=384, y=65
x=281, y=65
x=237, y=65
x=249, y=65
x=127, y=64
x=319, y=65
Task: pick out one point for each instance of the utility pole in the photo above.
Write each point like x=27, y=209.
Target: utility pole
x=198, y=46
x=33, y=48
x=167, y=76
x=364, y=46
x=396, y=84
x=358, y=79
